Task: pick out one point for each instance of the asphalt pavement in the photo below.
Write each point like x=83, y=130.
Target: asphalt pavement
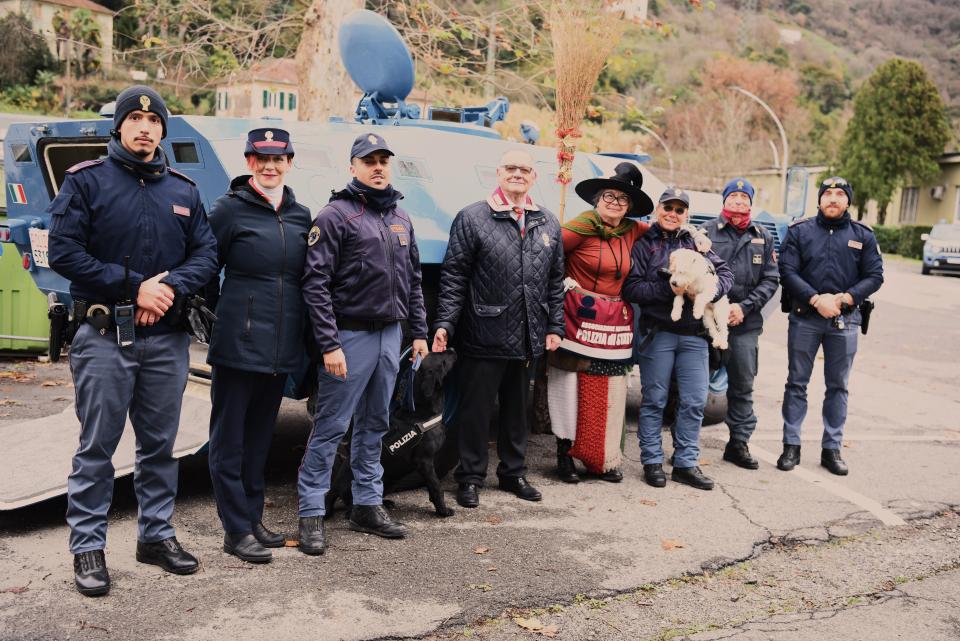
x=766, y=555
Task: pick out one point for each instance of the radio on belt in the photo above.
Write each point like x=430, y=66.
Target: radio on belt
x=123, y=312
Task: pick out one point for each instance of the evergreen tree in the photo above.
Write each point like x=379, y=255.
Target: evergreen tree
x=898, y=130
x=27, y=51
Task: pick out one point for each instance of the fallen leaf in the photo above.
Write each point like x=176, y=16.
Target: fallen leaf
x=10, y=401
x=493, y=519
x=649, y=502
x=61, y=398
x=551, y=630
x=704, y=461
x=492, y=569
x=20, y=589
x=529, y=624
x=670, y=544
x=481, y=550
x=49, y=384
x=483, y=587
x=291, y=543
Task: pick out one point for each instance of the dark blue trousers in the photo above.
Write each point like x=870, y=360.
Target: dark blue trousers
x=741, y=372
x=804, y=337
x=147, y=380
x=245, y=407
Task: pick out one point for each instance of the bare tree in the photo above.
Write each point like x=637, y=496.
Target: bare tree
x=325, y=87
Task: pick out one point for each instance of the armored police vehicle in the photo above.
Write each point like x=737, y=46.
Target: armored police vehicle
x=444, y=160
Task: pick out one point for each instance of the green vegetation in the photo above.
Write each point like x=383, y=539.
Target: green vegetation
x=903, y=239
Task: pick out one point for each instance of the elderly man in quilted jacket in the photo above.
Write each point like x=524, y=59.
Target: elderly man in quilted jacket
x=501, y=305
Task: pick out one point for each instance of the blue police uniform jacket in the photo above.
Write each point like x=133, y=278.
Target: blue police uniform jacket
x=107, y=210
x=751, y=258
x=260, y=315
x=648, y=285
x=823, y=256
x=362, y=265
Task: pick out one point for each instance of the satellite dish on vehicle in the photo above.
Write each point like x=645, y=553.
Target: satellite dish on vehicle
x=375, y=56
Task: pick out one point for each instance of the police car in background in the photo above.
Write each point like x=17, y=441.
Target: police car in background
x=941, y=249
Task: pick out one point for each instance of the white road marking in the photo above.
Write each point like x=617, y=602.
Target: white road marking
x=886, y=516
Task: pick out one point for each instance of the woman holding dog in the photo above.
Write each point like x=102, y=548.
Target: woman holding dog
x=257, y=339
x=667, y=347
x=587, y=376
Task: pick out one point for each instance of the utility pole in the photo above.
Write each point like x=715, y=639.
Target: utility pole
x=489, y=90
x=745, y=33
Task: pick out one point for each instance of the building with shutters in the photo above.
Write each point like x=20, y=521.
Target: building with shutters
x=269, y=89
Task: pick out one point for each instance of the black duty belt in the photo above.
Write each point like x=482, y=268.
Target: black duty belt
x=99, y=315
x=358, y=325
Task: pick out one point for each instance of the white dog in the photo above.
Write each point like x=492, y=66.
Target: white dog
x=693, y=273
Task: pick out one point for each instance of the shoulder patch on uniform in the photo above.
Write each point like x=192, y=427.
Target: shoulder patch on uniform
x=84, y=165
x=181, y=175
x=313, y=236
x=862, y=224
x=797, y=221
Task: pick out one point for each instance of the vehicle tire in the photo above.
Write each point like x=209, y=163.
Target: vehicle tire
x=715, y=411
x=924, y=270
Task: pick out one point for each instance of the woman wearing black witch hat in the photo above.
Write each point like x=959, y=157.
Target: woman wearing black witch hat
x=586, y=385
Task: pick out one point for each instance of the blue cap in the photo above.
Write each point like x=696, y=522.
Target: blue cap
x=268, y=141
x=836, y=181
x=139, y=98
x=675, y=193
x=739, y=184
x=366, y=144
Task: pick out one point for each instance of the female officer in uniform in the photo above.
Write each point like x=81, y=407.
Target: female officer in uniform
x=257, y=340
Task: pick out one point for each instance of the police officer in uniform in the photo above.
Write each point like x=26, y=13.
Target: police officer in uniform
x=127, y=228
x=257, y=340
x=829, y=264
x=362, y=278
x=747, y=248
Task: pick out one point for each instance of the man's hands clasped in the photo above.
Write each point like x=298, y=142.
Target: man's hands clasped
x=153, y=300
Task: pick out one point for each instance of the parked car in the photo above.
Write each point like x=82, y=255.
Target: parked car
x=941, y=249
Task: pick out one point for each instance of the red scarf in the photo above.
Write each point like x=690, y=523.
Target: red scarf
x=738, y=220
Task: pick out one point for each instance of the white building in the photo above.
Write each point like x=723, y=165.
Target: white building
x=40, y=13
x=269, y=88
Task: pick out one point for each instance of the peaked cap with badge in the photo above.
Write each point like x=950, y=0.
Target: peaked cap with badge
x=269, y=141
x=626, y=178
x=139, y=98
x=674, y=193
x=366, y=144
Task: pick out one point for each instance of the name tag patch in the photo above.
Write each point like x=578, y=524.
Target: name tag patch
x=856, y=244
x=180, y=210
x=398, y=228
x=757, y=241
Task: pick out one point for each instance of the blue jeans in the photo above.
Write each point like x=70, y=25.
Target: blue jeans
x=804, y=337
x=741, y=372
x=373, y=360
x=147, y=379
x=689, y=356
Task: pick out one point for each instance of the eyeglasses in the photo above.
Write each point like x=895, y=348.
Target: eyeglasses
x=680, y=210
x=510, y=169
x=609, y=197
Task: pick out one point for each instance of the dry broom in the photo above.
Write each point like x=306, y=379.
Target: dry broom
x=584, y=33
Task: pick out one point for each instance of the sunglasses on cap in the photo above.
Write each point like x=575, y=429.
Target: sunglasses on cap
x=680, y=210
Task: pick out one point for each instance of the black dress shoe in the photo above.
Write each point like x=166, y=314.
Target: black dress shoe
x=267, y=538
x=246, y=548
x=468, y=495
x=313, y=536
x=374, y=519
x=738, y=453
x=519, y=486
x=653, y=475
x=691, y=476
x=612, y=476
x=566, y=469
x=790, y=457
x=90, y=573
x=831, y=460
x=169, y=555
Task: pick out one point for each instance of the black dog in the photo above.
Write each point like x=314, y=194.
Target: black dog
x=410, y=449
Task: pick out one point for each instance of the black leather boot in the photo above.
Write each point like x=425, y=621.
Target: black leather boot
x=267, y=538
x=312, y=535
x=246, y=548
x=90, y=573
x=374, y=519
x=738, y=453
x=468, y=495
x=691, y=476
x=612, y=476
x=169, y=555
x=831, y=460
x=654, y=476
x=790, y=457
x=566, y=469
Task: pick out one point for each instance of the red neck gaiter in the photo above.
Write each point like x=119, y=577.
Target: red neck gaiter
x=738, y=220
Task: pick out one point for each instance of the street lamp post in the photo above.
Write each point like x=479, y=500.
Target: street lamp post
x=783, y=140
x=662, y=144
